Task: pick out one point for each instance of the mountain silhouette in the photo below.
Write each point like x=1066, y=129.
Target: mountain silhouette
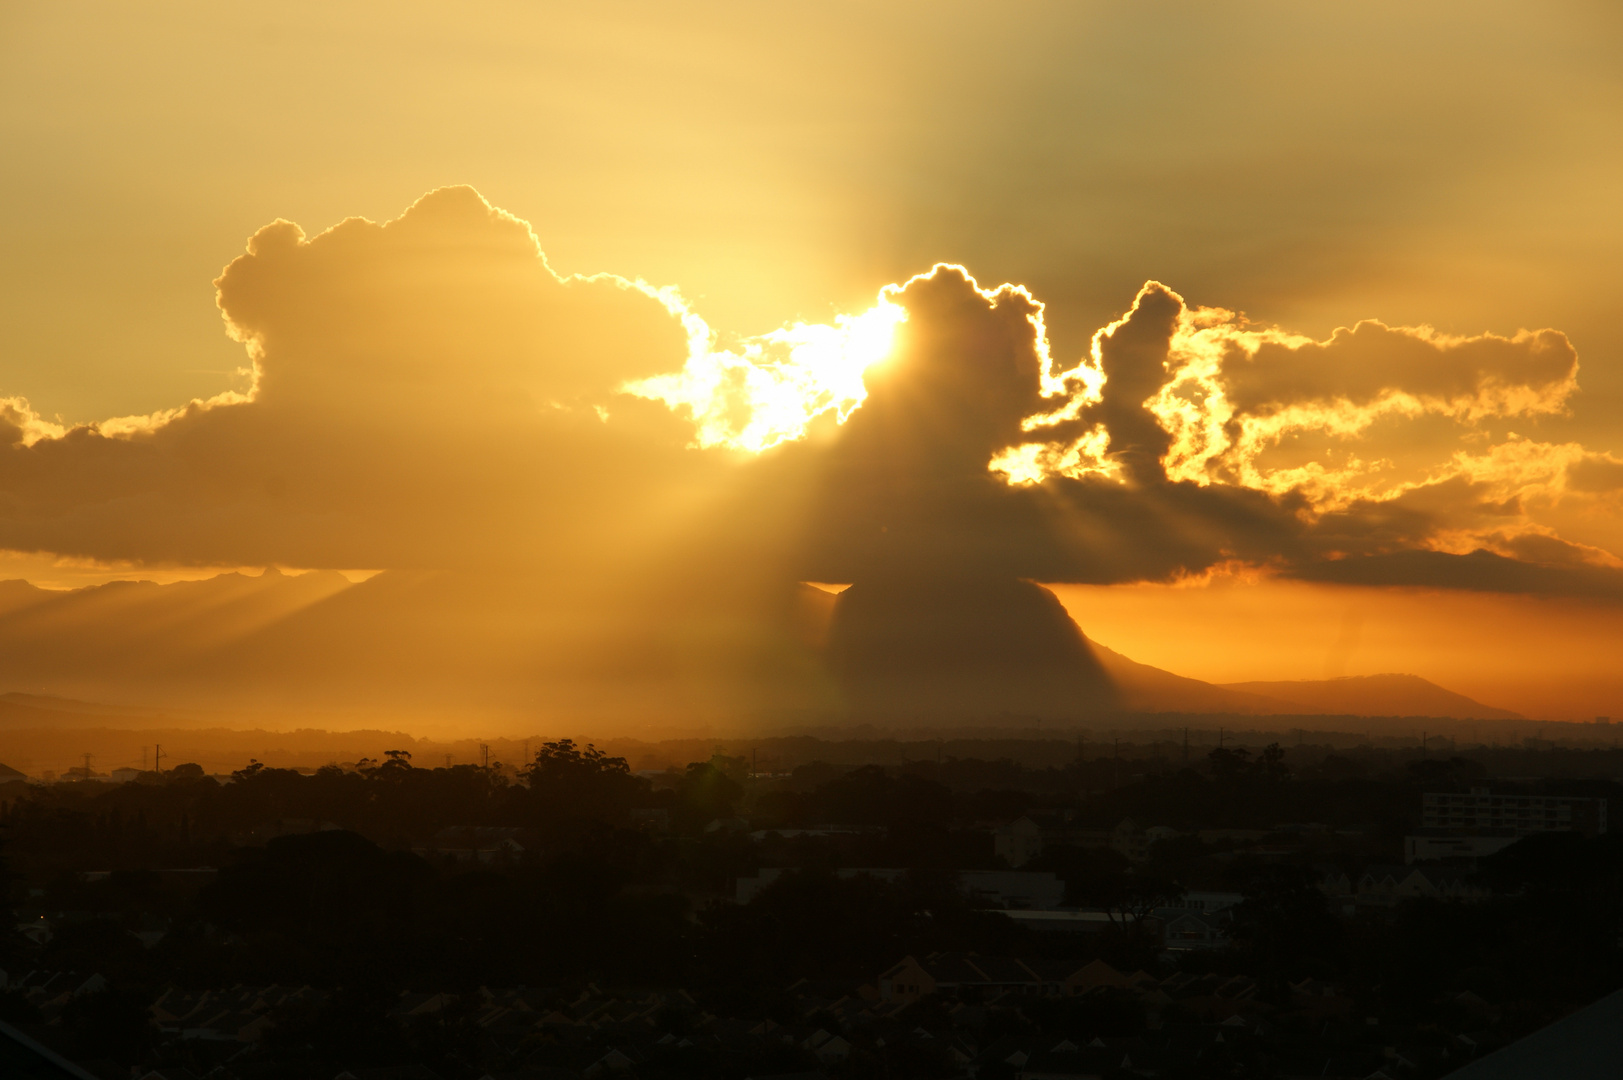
x=1373, y=695
x=450, y=649
x=956, y=648
x=1143, y=688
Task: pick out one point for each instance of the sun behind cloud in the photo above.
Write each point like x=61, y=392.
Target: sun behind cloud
x=430, y=391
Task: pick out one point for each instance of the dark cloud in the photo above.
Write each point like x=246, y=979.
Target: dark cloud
x=1362, y=365
x=1478, y=570
x=429, y=394
x=903, y=488
x=1596, y=473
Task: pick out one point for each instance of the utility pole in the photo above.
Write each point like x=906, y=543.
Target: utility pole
x=157, y=758
x=87, y=765
x=143, y=759
x=447, y=761
x=484, y=754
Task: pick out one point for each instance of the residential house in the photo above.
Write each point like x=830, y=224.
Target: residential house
x=1386, y=885
x=1334, y=881
x=1135, y=842
x=1205, y=900
x=1182, y=930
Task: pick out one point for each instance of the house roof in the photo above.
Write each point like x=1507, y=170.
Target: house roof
x=1206, y=919
x=26, y=1059
x=1586, y=1045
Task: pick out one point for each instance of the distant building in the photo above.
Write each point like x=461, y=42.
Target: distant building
x=1018, y=842
x=1479, y=823
x=1522, y=815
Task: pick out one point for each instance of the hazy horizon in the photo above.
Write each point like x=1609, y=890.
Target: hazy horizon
x=566, y=422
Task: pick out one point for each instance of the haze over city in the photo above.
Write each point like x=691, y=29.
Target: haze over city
x=1283, y=386
x=838, y=381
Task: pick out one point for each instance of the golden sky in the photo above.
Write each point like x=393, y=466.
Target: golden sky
x=1383, y=355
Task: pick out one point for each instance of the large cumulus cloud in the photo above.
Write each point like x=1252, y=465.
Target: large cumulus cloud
x=1188, y=438
x=425, y=392
x=430, y=392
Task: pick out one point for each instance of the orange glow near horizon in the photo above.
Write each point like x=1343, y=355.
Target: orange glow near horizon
x=1548, y=659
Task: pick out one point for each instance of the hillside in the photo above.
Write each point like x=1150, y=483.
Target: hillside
x=1375, y=695
x=453, y=650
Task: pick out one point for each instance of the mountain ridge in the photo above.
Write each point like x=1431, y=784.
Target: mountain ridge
x=465, y=647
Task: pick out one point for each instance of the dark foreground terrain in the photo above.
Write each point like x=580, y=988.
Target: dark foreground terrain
x=1240, y=912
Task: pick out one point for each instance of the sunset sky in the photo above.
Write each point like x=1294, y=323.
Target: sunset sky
x=1309, y=362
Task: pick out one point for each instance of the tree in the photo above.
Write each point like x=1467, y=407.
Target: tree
x=1229, y=764
x=1286, y=927
x=396, y=766
x=1104, y=879
x=872, y=796
x=1270, y=764
x=566, y=781
x=704, y=794
x=1455, y=772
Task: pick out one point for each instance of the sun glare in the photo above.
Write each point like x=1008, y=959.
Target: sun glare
x=768, y=389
